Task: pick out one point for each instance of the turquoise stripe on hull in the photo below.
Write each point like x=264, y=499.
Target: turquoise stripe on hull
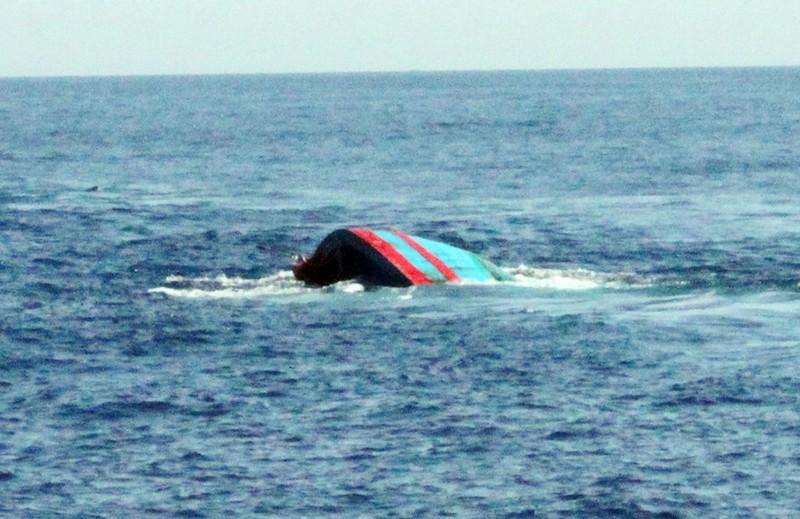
x=414, y=257
x=465, y=264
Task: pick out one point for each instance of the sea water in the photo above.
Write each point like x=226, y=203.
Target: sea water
x=157, y=358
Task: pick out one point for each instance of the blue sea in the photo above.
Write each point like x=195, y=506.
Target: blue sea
x=157, y=358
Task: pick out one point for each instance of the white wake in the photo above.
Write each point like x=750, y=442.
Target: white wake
x=283, y=283
x=223, y=287
x=573, y=279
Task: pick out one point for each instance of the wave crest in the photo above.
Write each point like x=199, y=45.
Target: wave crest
x=223, y=287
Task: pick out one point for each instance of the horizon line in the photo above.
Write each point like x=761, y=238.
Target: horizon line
x=396, y=72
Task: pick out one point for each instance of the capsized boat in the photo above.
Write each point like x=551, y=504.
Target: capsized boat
x=391, y=258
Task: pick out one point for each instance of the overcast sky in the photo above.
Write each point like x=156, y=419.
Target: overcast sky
x=127, y=37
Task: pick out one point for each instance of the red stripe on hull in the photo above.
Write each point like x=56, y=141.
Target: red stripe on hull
x=446, y=271
x=414, y=275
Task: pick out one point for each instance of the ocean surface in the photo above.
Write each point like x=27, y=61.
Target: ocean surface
x=157, y=359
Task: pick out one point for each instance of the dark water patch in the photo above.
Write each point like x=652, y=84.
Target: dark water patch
x=167, y=511
x=320, y=510
x=52, y=487
x=366, y=455
x=275, y=393
x=733, y=456
x=211, y=411
x=38, y=360
x=526, y=403
x=572, y=496
x=355, y=499
x=183, y=338
x=261, y=377
x=48, y=289
x=54, y=263
x=274, y=382
x=135, y=350
x=419, y=410
x=711, y=391
x=617, y=482
x=273, y=352
x=270, y=510
x=582, y=433
x=119, y=410
x=630, y=510
x=155, y=469
x=741, y=477
x=141, y=230
x=631, y=397
x=521, y=514
x=542, y=127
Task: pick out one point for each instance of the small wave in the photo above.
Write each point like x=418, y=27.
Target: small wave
x=223, y=287
x=573, y=279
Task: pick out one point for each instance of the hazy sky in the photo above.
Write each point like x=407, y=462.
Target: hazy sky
x=111, y=37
